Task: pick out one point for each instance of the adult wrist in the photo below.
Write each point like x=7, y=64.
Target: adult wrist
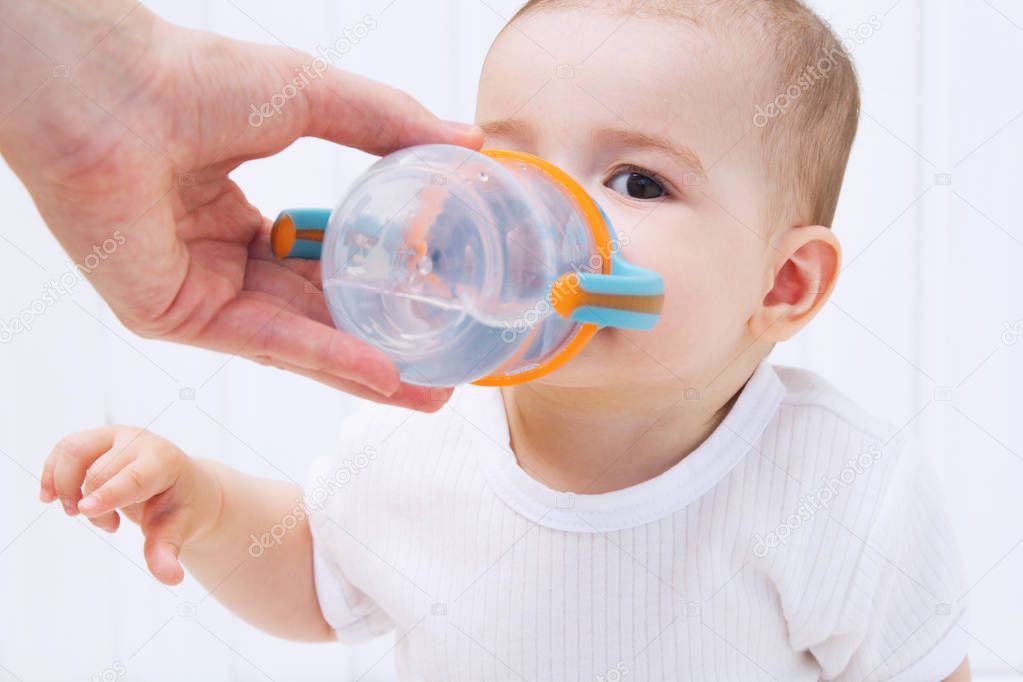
x=65, y=31
x=56, y=53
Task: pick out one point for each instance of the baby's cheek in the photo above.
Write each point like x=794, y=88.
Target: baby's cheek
x=702, y=317
x=704, y=312
x=687, y=329
x=692, y=296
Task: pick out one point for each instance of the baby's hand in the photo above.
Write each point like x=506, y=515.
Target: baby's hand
x=174, y=498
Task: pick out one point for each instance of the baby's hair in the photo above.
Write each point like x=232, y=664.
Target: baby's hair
x=806, y=111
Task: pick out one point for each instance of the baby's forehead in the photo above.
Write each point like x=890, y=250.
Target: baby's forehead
x=668, y=76
x=713, y=41
x=760, y=80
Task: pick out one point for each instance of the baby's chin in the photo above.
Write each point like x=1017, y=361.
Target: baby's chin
x=612, y=358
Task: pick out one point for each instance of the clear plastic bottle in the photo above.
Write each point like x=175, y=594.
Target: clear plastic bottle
x=491, y=267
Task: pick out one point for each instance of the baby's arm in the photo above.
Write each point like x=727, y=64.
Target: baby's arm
x=202, y=512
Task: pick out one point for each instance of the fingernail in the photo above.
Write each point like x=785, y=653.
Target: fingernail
x=69, y=508
x=88, y=504
x=388, y=388
x=386, y=381
x=460, y=127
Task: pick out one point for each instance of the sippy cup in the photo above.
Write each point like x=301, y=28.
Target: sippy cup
x=490, y=267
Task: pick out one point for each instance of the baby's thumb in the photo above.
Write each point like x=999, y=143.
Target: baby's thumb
x=163, y=545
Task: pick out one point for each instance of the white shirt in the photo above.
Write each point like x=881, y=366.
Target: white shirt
x=800, y=541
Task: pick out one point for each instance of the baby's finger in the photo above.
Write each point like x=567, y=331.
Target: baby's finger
x=104, y=468
x=108, y=522
x=47, y=487
x=162, y=559
x=69, y=460
x=47, y=491
x=140, y=480
x=164, y=538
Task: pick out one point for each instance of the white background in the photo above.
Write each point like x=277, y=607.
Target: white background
x=917, y=331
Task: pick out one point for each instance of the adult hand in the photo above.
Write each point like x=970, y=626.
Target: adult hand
x=124, y=128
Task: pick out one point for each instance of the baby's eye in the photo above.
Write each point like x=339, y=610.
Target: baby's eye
x=636, y=185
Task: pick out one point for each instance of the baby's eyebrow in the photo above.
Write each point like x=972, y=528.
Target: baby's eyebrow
x=621, y=137
x=635, y=138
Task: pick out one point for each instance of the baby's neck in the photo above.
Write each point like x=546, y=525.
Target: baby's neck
x=591, y=441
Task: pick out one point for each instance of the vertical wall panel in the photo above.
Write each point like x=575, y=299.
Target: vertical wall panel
x=864, y=347
x=972, y=248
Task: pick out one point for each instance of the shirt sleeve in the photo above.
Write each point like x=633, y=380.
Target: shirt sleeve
x=903, y=613
x=353, y=614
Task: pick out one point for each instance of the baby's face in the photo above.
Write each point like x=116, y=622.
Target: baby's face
x=653, y=118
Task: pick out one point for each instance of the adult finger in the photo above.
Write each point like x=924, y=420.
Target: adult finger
x=281, y=283
x=276, y=335
x=358, y=112
x=419, y=398
x=291, y=94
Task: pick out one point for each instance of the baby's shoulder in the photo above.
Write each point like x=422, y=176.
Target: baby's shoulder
x=825, y=465
x=395, y=451
x=398, y=472
x=809, y=396
x=853, y=513
x=383, y=428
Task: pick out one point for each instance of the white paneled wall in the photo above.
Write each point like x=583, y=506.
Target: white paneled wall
x=919, y=330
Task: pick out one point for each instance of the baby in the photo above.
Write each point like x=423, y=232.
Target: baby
x=667, y=506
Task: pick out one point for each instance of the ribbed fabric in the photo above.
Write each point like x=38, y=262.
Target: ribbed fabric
x=800, y=541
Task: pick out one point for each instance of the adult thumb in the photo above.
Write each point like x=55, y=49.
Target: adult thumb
x=358, y=112
x=305, y=96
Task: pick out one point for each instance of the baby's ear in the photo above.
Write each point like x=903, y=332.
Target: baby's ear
x=804, y=262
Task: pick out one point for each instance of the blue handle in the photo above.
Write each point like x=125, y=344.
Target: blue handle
x=628, y=297
x=298, y=233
